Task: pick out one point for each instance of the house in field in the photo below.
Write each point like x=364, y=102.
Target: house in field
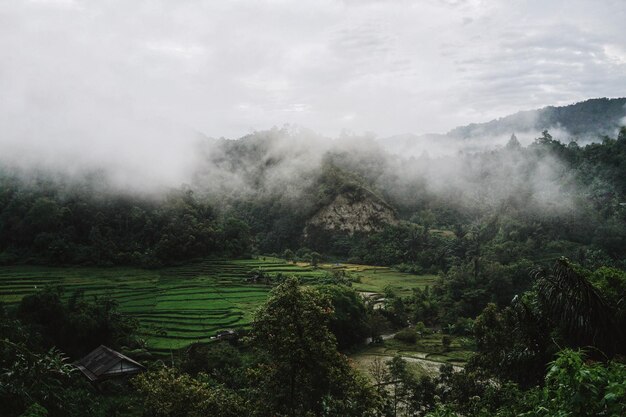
x=104, y=363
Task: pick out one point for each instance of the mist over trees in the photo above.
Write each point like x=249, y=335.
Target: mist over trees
x=258, y=193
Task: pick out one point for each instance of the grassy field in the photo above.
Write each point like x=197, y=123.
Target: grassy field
x=425, y=356
x=376, y=278
x=180, y=305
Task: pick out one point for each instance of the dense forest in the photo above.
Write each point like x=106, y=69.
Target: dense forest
x=528, y=244
x=509, y=204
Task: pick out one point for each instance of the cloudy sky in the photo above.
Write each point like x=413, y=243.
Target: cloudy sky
x=136, y=73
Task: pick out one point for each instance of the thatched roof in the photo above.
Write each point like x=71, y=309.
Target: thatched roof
x=103, y=363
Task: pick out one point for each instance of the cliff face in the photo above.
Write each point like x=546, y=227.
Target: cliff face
x=353, y=213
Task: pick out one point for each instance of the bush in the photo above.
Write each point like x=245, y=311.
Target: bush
x=409, y=268
x=446, y=341
x=406, y=336
x=421, y=329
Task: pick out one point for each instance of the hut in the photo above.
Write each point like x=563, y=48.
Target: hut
x=228, y=334
x=104, y=363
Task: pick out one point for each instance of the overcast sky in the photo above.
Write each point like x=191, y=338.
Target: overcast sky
x=135, y=73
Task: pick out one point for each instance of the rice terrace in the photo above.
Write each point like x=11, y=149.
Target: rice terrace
x=177, y=306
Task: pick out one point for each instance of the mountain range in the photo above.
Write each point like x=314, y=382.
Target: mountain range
x=584, y=122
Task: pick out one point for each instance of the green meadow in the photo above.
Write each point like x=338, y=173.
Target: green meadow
x=177, y=306
x=376, y=278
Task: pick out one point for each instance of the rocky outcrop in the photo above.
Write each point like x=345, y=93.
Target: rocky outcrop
x=353, y=213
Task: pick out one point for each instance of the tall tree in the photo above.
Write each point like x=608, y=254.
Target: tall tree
x=303, y=372
x=578, y=308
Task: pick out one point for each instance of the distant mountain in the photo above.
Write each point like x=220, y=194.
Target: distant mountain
x=587, y=121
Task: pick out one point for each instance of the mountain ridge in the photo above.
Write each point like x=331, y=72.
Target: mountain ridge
x=584, y=122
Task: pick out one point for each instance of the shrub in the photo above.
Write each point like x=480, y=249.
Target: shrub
x=446, y=341
x=406, y=336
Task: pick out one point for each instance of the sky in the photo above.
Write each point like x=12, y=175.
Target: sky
x=122, y=79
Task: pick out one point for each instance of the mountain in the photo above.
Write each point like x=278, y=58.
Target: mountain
x=584, y=122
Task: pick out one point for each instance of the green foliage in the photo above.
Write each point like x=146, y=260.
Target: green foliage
x=480, y=243
x=446, y=341
x=406, y=336
x=167, y=393
x=574, y=387
x=563, y=310
x=77, y=326
x=288, y=255
x=579, y=309
x=220, y=361
x=425, y=306
x=315, y=258
x=57, y=224
x=302, y=371
x=35, y=410
x=513, y=344
x=349, y=319
x=28, y=378
x=175, y=306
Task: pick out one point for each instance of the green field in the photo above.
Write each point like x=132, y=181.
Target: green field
x=180, y=305
x=427, y=355
x=376, y=278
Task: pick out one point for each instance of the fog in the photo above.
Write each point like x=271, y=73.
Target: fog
x=144, y=93
x=478, y=173
x=283, y=164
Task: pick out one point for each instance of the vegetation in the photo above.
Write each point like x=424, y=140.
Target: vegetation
x=474, y=306
x=178, y=306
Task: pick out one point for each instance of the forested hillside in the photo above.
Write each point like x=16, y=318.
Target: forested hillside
x=586, y=121
x=251, y=196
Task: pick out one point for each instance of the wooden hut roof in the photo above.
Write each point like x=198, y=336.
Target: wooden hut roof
x=103, y=363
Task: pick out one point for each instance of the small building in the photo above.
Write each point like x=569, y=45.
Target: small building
x=104, y=363
x=228, y=334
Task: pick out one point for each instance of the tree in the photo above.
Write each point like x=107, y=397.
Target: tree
x=349, y=320
x=28, y=378
x=77, y=326
x=315, y=258
x=220, y=361
x=378, y=325
x=446, y=341
x=513, y=143
x=578, y=308
x=288, y=255
x=399, y=374
x=514, y=343
x=574, y=387
x=302, y=372
x=168, y=393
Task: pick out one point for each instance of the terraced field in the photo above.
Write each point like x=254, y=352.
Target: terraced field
x=427, y=355
x=175, y=306
x=181, y=305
